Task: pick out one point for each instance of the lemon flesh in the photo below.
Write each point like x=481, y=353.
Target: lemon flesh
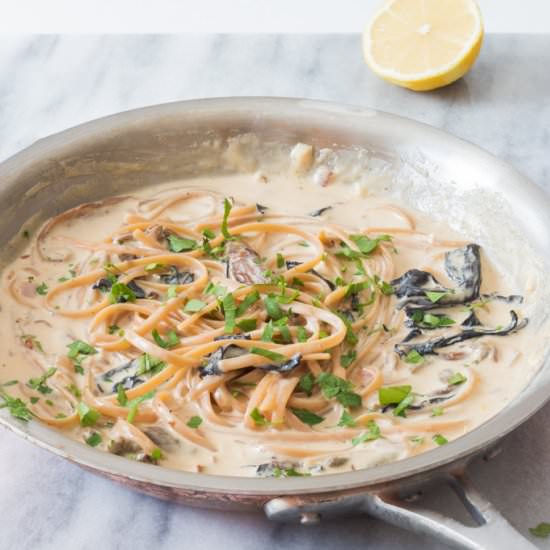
x=423, y=44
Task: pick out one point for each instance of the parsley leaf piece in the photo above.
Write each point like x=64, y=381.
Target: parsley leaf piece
x=193, y=306
x=249, y=300
x=172, y=339
x=226, y=211
x=39, y=384
x=246, y=325
x=542, y=530
x=301, y=334
x=42, y=289
x=113, y=328
x=72, y=388
x=335, y=387
x=194, y=422
x=94, y=440
x=417, y=440
x=367, y=245
x=348, y=358
x=153, y=266
x=272, y=355
x=346, y=420
x=172, y=291
x=156, y=454
x=208, y=233
x=370, y=435
x=149, y=364
x=230, y=312
x=457, y=378
x=306, y=383
x=88, y=415
x=437, y=411
x=434, y=296
x=307, y=417
x=267, y=334
x=436, y=321
x=134, y=404
x=439, y=439
x=16, y=406
x=280, y=260
x=272, y=306
x=180, y=244
x=393, y=395
x=121, y=396
x=403, y=405
x=121, y=293
x=78, y=351
x=258, y=417
x=414, y=357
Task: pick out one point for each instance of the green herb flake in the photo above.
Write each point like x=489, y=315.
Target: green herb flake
x=226, y=211
x=248, y=301
x=73, y=389
x=280, y=260
x=34, y=400
x=542, y=530
x=121, y=293
x=134, y=404
x=414, y=357
x=113, y=329
x=367, y=245
x=417, y=440
x=246, y=325
x=301, y=334
x=434, y=296
x=437, y=411
x=370, y=435
x=306, y=383
x=181, y=244
x=88, y=416
x=78, y=351
x=39, y=384
x=208, y=233
x=437, y=321
x=258, y=417
x=348, y=358
x=268, y=354
x=272, y=306
x=94, y=440
x=393, y=395
x=194, y=306
x=439, y=439
x=42, y=289
x=121, y=396
x=267, y=334
x=148, y=364
x=172, y=291
x=403, y=405
x=154, y=266
x=335, y=387
x=346, y=420
x=16, y=406
x=171, y=339
x=457, y=378
x=307, y=417
x=156, y=454
x=230, y=312
x=194, y=422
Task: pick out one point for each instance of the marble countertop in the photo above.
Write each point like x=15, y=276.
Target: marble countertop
x=48, y=83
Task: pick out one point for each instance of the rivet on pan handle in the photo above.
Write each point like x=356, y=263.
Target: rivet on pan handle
x=492, y=533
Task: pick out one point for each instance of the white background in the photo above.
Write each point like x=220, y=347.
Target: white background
x=137, y=16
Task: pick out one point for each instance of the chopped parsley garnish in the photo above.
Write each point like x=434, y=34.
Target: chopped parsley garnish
x=226, y=211
x=26, y=234
x=367, y=245
x=34, y=400
x=414, y=357
x=258, y=417
x=78, y=351
x=434, y=295
x=208, y=233
x=268, y=354
x=180, y=244
x=248, y=301
x=370, y=435
x=39, y=384
x=156, y=454
x=149, y=364
x=272, y=306
x=403, y=405
x=193, y=306
x=121, y=293
x=88, y=416
x=16, y=406
x=121, y=396
x=393, y=395
x=172, y=291
x=267, y=334
x=437, y=411
x=439, y=439
x=542, y=530
x=346, y=420
x=417, y=440
x=72, y=388
x=288, y=472
x=134, y=404
x=246, y=325
x=154, y=266
x=307, y=417
x=194, y=422
x=32, y=342
x=42, y=289
x=113, y=328
x=351, y=337
x=171, y=339
x=94, y=440
x=301, y=334
x=457, y=378
x=430, y=320
x=280, y=260
x=335, y=387
x=230, y=312
x=348, y=358
x=306, y=383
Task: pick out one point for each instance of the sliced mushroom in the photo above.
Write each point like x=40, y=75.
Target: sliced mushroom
x=243, y=264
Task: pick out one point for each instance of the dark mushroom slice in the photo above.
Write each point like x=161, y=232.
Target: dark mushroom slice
x=287, y=366
x=162, y=438
x=261, y=208
x=471, y=321
x=129, y=449
x=422, y=401
x=103, y=284
x=177, y=277
x=137, y=290
x=274, y=468
x=243, y=264
x=125, y=375
x=428, y=347
x=319, y=212
x=211, y=367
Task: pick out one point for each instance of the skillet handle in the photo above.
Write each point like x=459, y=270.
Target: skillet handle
x=492, y=533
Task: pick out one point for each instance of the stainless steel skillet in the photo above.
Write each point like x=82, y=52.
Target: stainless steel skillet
x=160, y=143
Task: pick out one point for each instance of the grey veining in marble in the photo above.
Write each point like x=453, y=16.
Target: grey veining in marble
x=48, y=83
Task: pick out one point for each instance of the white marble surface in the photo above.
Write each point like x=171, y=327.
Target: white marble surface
x=48, y=83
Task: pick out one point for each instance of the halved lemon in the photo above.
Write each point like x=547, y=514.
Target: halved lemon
x=423, y=44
